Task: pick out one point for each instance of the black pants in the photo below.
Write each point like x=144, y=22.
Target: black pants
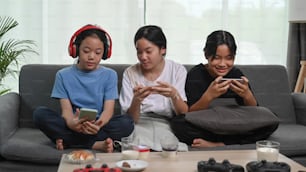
x=187, y=132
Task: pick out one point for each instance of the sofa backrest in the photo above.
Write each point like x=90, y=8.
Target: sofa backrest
x=269, y=83
x=35, y=85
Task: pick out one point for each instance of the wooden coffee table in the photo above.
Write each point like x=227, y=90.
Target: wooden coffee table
x=185, y=161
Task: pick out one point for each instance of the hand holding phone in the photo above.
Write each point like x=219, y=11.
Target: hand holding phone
x=89, y=114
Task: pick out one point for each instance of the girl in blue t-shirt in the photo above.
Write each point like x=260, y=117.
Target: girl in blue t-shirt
x=85, y=84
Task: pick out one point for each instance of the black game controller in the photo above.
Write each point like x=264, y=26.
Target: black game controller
x=265, y=166
x=104, y=168
x=212, y=166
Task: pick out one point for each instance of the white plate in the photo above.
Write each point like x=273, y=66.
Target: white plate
x=136, y=165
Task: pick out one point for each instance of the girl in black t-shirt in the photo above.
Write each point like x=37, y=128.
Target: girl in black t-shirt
x=209, y=82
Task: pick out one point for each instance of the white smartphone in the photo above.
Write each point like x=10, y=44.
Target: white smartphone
x=89, y=114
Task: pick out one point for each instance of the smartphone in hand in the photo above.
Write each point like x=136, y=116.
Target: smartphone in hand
x=226, y=79
x=89, y=114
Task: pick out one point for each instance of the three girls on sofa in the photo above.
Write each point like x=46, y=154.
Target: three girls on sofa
x=153, y=92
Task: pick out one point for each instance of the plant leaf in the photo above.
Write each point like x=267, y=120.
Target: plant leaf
x=6, y=24
x=11, y=50
x=2, y=92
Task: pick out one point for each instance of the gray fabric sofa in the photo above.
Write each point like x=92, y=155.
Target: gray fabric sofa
x=25, y=148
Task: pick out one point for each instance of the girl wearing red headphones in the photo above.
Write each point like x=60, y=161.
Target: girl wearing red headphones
x=85, y=84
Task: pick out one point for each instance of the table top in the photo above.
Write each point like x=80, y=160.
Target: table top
x=184, y=162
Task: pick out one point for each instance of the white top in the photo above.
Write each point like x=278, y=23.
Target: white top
x=153, y=123
x=173, y=73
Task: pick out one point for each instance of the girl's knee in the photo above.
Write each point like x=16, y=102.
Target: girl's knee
x=39, y=113
x=127, y=125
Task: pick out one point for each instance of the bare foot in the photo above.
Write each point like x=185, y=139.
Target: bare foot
x=201, y=143
x=59, y=144
x=105, y=146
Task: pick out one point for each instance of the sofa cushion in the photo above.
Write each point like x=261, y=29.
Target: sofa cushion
x=271, y=88
x=232, y=120
x=35, y=86
x=226, y=147
x=8, y=121
x=292, y=138
x=299, y=100
x=12, y=166
x=31, y=145
x=119, y=68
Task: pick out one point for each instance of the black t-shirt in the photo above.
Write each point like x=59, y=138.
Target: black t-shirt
x=199, y=79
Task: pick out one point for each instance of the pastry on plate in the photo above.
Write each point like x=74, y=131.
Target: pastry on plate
x=82, y=155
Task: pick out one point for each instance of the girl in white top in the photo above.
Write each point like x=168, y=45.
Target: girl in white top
x=153, y=89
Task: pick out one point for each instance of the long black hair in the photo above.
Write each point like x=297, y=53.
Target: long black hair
x=216, y=38
x=153, y=34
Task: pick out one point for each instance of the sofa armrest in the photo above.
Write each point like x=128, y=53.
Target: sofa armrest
x=9, y=110
x=299, y=101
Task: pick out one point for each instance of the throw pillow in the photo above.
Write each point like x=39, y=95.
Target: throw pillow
x=232, y=120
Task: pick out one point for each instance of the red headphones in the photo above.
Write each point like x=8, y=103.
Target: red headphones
x=73, y=49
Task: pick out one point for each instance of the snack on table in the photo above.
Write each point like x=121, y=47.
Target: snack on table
x=126, y=164
x=81, y=155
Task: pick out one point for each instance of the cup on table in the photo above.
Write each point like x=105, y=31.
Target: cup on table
x=144, y=152
x=169, y=146
x=128, y=149
x=267, y=150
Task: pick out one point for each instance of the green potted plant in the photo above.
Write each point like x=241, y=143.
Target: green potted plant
x=11, y=50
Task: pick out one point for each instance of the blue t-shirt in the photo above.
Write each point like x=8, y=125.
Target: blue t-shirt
x=86, y=89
